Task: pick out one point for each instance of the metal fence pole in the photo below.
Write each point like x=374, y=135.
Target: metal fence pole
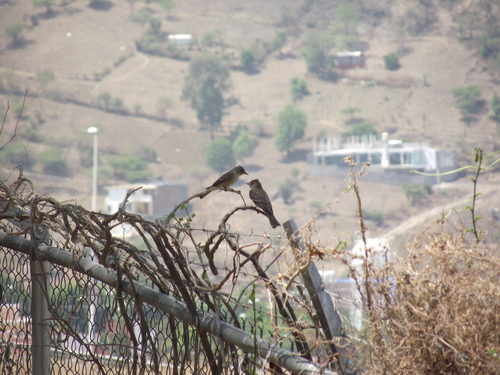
x=326, y=311
x=40, y=360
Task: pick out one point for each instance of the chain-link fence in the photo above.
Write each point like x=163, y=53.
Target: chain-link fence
x=88, y=332
x=94, y=328
x=76, y=298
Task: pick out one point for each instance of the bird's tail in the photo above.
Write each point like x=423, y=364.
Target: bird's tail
x=272, y=220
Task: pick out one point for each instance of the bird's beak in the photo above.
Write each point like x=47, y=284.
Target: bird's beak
x=247, y=183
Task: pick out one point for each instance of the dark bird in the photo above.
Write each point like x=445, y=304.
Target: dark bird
x=228, y=178
x=259, y=196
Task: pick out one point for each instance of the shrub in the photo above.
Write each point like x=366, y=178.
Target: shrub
x=298, y=87
x=117, y=102
x=243, y=145
x=290, y=127
x=495, y=107
x=435, y=310
x=130, y=168
x=316, y=51
x=142, y=16
x=15, y=153
x=376, y=216
x=416, y=193
x=219, y=155
x=468, y=99
x=391, y=61
x=14, y=30
x=286, y=190
x=248, y=59
x=53, y=162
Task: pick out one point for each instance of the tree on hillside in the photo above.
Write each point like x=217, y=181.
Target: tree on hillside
x=104, y=99
x=248, y=60
x=219, y=155
x=317, y=47
x=290, y=127
x=54, y=162
x=243, y=145
x=14, y=30
x=391, y=61
x=132, y=168
x=155, y=25
x=495, y=107
x=468, y=99
x=298, y=87
x=204, y=86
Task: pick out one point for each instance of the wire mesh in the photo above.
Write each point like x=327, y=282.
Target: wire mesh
x=15, y=313
x=96, y=330
x=97, y=327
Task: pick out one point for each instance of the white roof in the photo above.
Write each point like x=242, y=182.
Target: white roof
x=180, y=37
x=350, y=53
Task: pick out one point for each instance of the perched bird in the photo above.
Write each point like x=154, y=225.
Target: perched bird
x=227, y=179
x=259, y=196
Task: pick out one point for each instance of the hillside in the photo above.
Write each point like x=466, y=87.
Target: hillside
x=90, y=50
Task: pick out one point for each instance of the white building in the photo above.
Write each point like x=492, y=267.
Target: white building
x=154, y=199
x=392, y=160
x=180, y=39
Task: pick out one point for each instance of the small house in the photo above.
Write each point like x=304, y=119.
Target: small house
x=154, y=199
x=180, y=39
x=349, y=60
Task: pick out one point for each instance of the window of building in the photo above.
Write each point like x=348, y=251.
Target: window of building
x=394, y=158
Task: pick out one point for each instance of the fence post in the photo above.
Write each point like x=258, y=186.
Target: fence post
x=326, y=312
x=40, y=360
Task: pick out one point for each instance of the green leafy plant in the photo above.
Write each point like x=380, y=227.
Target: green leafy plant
x=495, y=107
x=130, y=168
x=53, y=161
x=248, y=59
x=290, y=127
x=243, y=145
x=14, y=30
x=376, y=216
x=317, y=46
x=478, y=159
x=204, y=86
x=219, y=155
x=391, y=61
x=298, y=87
x=468, y=99
x=104, y=99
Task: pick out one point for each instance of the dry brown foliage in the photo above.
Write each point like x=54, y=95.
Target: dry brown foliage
x=437, y=310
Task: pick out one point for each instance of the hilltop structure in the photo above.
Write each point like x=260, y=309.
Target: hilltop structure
x=392, y=161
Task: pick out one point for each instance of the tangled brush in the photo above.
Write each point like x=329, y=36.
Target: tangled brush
x=437, y=310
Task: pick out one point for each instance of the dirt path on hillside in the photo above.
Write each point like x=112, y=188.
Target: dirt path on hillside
x=122, y=76
x=117, y=78
x=433, y=213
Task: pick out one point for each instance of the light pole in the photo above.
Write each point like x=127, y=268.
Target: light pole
x=94, y=130
x=92, y=302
